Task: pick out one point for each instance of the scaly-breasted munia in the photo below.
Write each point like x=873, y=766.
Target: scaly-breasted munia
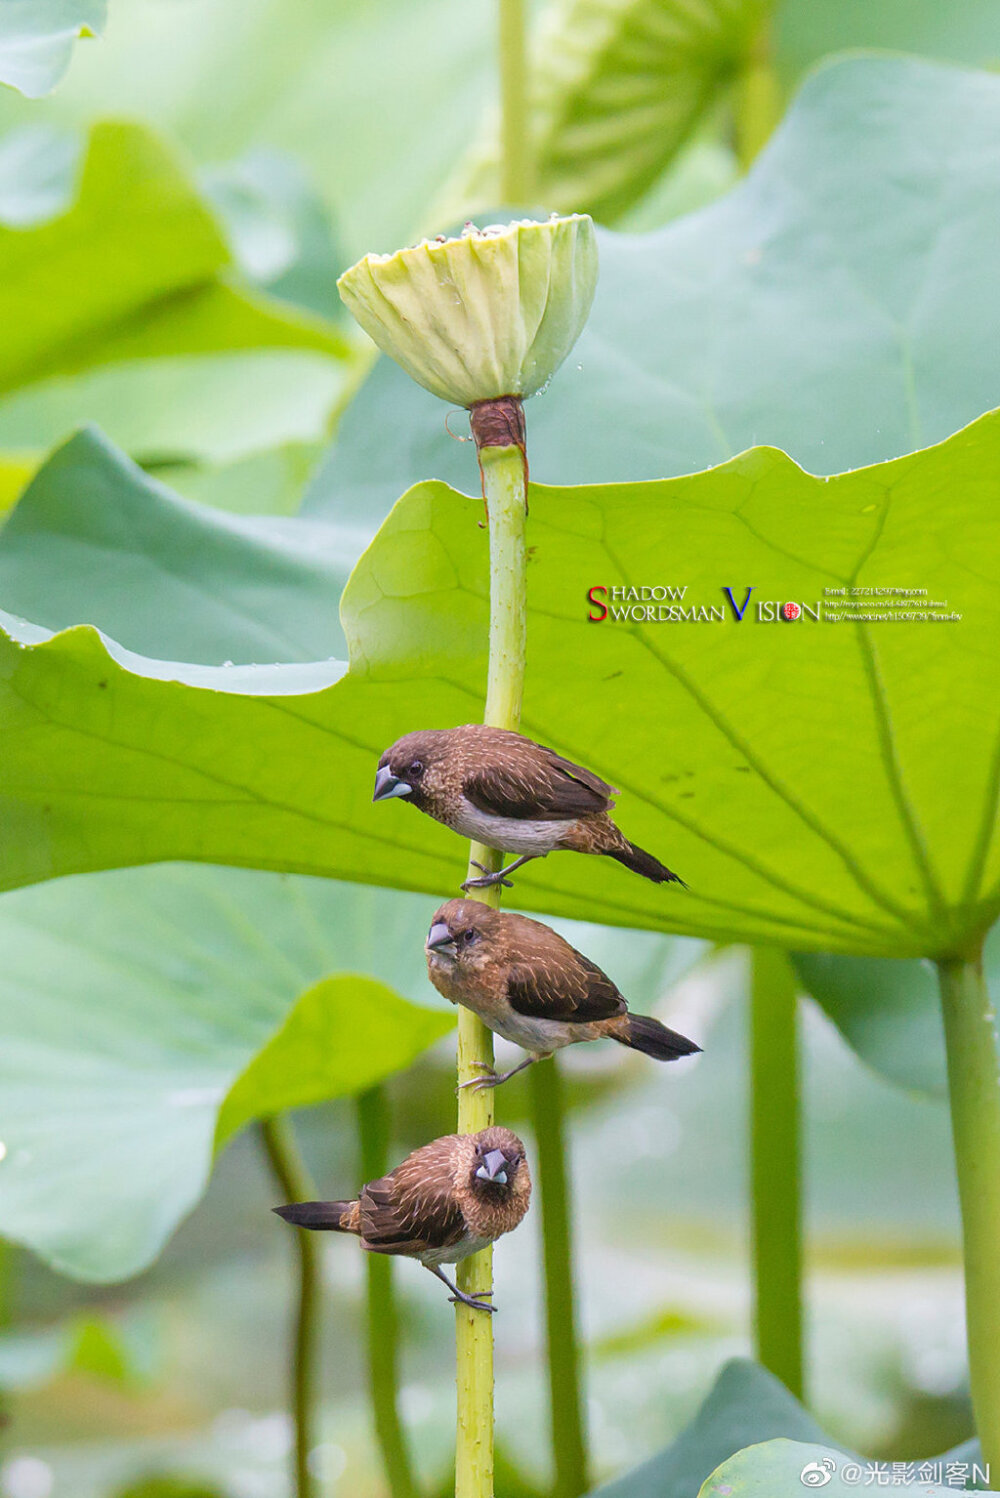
x=447, y=1200
x=530, y=986
x=510, y=793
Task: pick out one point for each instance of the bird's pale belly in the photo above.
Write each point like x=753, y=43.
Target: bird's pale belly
x=543, y=1036
x=509, y=834
x=460, y=1250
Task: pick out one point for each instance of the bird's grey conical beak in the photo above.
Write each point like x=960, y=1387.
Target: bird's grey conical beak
x=494, y=1168
x=386, y=785
x=439, y=938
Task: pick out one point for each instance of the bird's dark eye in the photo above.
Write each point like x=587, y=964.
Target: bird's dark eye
x=416, y=768
x=468, y=937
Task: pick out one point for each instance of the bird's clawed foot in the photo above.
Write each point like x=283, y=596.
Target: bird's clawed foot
x=488, y=880
x=490, y=1079
x=477, y=1301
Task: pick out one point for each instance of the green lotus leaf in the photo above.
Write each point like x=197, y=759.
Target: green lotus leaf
x=93, y=532
x=890, y=1012
x=786, y=1469
x=123, y=305
x=37, y=37
x=148, y=1015
x=838, y=825
x=746, y=1403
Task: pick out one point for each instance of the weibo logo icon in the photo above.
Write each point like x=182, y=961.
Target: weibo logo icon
x=817, y=1474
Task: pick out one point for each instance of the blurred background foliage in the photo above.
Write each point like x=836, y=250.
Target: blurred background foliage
x=172, y=219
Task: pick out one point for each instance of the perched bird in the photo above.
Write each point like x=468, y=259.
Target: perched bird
x=510, y=793
x=447, y=1200
x=533, y=988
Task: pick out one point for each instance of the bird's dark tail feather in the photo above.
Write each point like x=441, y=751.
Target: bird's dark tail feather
x=653, y=1039
x=641, y=862
x=323, y=1216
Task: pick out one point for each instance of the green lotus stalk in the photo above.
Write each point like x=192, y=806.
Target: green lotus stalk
x=484, y=321
x=971, y=1039
x=569, y=1447
x=757, y=99
x=382, y=1315
x=292, y=1180
x=775, y=1189
x=515, y=103
x=504, y=486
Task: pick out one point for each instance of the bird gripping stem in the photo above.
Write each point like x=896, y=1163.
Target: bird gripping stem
x=498, y=427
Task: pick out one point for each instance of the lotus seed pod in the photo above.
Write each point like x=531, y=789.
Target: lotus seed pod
x=493, y=312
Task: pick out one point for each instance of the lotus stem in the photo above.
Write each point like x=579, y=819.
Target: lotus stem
x=970, y=1028
x=504, y=486
x=515, y=119
x=374, y=1129
x=569, y=1447
x=758, y=97
x=775, y=1167
x=293, y=1181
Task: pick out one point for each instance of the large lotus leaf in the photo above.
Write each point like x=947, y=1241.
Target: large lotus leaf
x=138, y=1007
x=263, y=483
x=838, y=824
x=890, y=1011
x=841, y=303
x=750, y=1430
x=38, y=164
x=745, y=1404
x=166, y=576
x=279, y=227
x=377, y=100
x=37, y=36
x=203, y=406
x=149, y=1015
x=190, y=408
x=135, y=267
x=807, y=30
x=786, y=1469
x=343, y=1036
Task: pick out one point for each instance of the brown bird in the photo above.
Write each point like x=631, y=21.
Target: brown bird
x=510, y=793
x=447, y=1200
x=533, y=988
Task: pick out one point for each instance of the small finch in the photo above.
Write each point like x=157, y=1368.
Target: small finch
x=447, y=1200
x=533, y=988
x=510, y=793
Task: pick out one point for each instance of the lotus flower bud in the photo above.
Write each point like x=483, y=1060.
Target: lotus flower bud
x=491, y=313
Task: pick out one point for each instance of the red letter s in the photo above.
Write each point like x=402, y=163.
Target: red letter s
x=597, y=618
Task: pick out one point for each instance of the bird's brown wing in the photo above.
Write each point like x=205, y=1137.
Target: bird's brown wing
x=413, y=1208
x=531, y=782
x=561, y=989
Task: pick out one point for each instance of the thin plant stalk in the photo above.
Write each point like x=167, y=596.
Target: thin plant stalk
x=569, y=1452
x=971, y=1039
x=757, y=102
x=6, y=1304
x=382, y=1322
x=569, y=1449
x=515, y=142
x=293, y=1181
x=775, y=1168
x=504, y=487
